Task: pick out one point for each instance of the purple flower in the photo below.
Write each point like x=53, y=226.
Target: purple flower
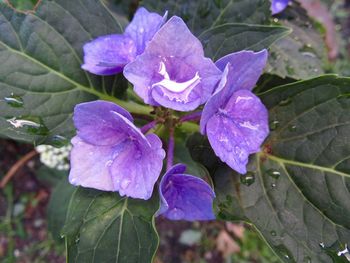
x=172, y=71
x=278, y=6
x=234, y=119
x=107, y=55
x=111, y=154
x=185, y=197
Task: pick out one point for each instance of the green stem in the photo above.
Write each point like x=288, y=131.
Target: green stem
x=130, y=106
x=189, y=127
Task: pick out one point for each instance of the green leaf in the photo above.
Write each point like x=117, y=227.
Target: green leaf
x=58, y=206
x=297, y=190
x=302, y=54
x=104, y=227
x=222, y=40
x=207, y=14
x=42, y=80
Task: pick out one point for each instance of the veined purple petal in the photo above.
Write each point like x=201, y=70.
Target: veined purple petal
x=238, y=129
x=89, y=165
x=185, y=197
x=96, y=122
x=111, y=154
x=143, y=27
x=247, y=67
x=173, y=71
x=107, y=55
x=278, y=6
x=221, y=96
x=137, y=165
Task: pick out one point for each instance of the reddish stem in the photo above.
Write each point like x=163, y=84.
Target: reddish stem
x=171, y=147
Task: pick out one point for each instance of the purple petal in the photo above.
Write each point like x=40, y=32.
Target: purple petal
x=247, y=67
x=185, y=197
x=238, y=129
x=88, y=165
x=278, y=6
x=173, y=71
x=221, y=96
x=110, y=153
x=143, y=27
x=107, y=55
x=137, y=166
x=96, y=122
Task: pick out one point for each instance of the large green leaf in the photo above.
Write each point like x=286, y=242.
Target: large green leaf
x=104, y=227
x=40, y=77
x=302, y=54
x=207, y=14
x=222, y=40
x=58, y=206
x=297, y=190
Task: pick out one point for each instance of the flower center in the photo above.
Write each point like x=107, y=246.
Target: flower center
x=179, y=91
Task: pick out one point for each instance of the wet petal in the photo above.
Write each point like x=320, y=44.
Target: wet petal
x=247, y=67
x=107, y=55
x=137, y=166
x=221, y=96
x=278, y=6
x=143, y=27
x=96, y=122
x=238, y=129
x=185, y=197
x=173, y=71
x=250, y=116
x=89, y=165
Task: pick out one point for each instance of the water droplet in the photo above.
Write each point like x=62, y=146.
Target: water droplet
x=292, y=128
x=285, y=102
x=58, y=141
x=273, y=173
x=273, y=185
x=248, y=178
x=109, y=163
x=31, y=124
x=282, y=250
x=176, y=213
x=274, y=125
x=14, y=101
x=125, y=183
x=335, y=251
x=273, y=233
x=307, y=259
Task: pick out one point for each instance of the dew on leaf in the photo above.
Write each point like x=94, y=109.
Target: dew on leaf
x=30, y=124
x=274, y=125
x=248, y=178
x=58, y=141
x=14, y=101
x=336, y=252
x=282, y=250
x=292, y=128
x=285, y=102
x=273, y=173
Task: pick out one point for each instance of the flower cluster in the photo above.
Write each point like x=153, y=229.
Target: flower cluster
x=57, y=158
x=166, y=64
